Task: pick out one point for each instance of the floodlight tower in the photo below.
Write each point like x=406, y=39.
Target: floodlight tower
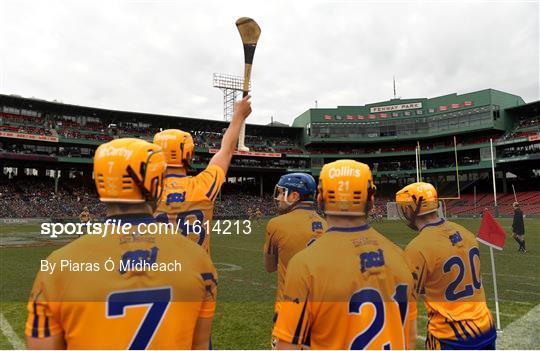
x=231, y=86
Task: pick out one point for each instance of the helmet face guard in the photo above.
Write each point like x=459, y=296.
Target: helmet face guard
x=408, y=214
x=281, y=193
x=301, y=183
x=416, y=200
x=151, y=189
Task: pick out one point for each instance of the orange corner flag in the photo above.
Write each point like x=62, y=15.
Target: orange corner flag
x=491, y=232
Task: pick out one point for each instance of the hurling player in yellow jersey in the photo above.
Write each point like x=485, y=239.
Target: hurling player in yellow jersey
x=296, y=227
x=445, y=262
x=121, y=307
x=189, y=201
x=351, y=288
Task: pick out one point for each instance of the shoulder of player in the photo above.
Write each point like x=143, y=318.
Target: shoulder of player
x=276, y=222
x=173, y=185
x=387, y=243
x=182, y=245
x=191, y=255
x=318, y=217
x=78, y=248
x=307, y=256
x=420, y=243
x=461, y=229
x=395, y=256
x=212, y=169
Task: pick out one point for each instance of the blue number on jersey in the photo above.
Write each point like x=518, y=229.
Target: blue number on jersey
x=359, y=298
x=157, y=299
x=373, y=297
x=450, y=293
x=187, y=228
x=477, y=280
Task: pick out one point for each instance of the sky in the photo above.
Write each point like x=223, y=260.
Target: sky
x=159, y=56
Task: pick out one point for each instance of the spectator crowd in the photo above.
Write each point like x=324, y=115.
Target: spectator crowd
x=93, y=128
x=34, y=197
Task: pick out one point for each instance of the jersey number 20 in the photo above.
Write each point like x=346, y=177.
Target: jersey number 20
x=451, y=294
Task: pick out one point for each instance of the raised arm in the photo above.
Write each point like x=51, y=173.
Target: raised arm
x=223, y=157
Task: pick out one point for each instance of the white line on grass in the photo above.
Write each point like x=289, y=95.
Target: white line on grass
x=236, y=248
x=511, y=315
x=513, y=275
x=513, y=255
x=10, y=335
x=516, y=302
x=525, y=283
x=523, y=292
x=521, y=333
x=228, y=267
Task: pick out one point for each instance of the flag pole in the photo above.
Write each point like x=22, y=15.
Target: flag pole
x=419, y=162
x=416, y=159
x=475, y=201
x=491, y=248
x=495, y=289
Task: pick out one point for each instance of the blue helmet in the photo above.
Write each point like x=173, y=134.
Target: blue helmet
x=303, y=183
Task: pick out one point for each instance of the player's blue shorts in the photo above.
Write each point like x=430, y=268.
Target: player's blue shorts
x=482, y=342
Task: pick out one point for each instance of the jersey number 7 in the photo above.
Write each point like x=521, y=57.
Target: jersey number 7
x=156, y=299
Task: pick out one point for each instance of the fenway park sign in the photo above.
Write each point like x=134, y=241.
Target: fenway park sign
x=412, y=105
x=28, y=136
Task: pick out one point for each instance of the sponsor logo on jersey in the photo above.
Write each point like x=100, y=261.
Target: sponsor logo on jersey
x=110, y=150
x=371, y=259
x=343, y=171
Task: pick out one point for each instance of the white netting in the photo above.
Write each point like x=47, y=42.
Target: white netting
x=392, y=210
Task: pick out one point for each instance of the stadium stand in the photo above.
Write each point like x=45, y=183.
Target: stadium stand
x=38, y=137
x=466, y=206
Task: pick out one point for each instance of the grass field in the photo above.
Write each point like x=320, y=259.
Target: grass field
x=246, y=292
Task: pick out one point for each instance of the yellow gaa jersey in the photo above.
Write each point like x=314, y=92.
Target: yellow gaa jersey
x=445, y=261
x=189, y=203
x=350, y=289
x=288, y=234
x=151, y=298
